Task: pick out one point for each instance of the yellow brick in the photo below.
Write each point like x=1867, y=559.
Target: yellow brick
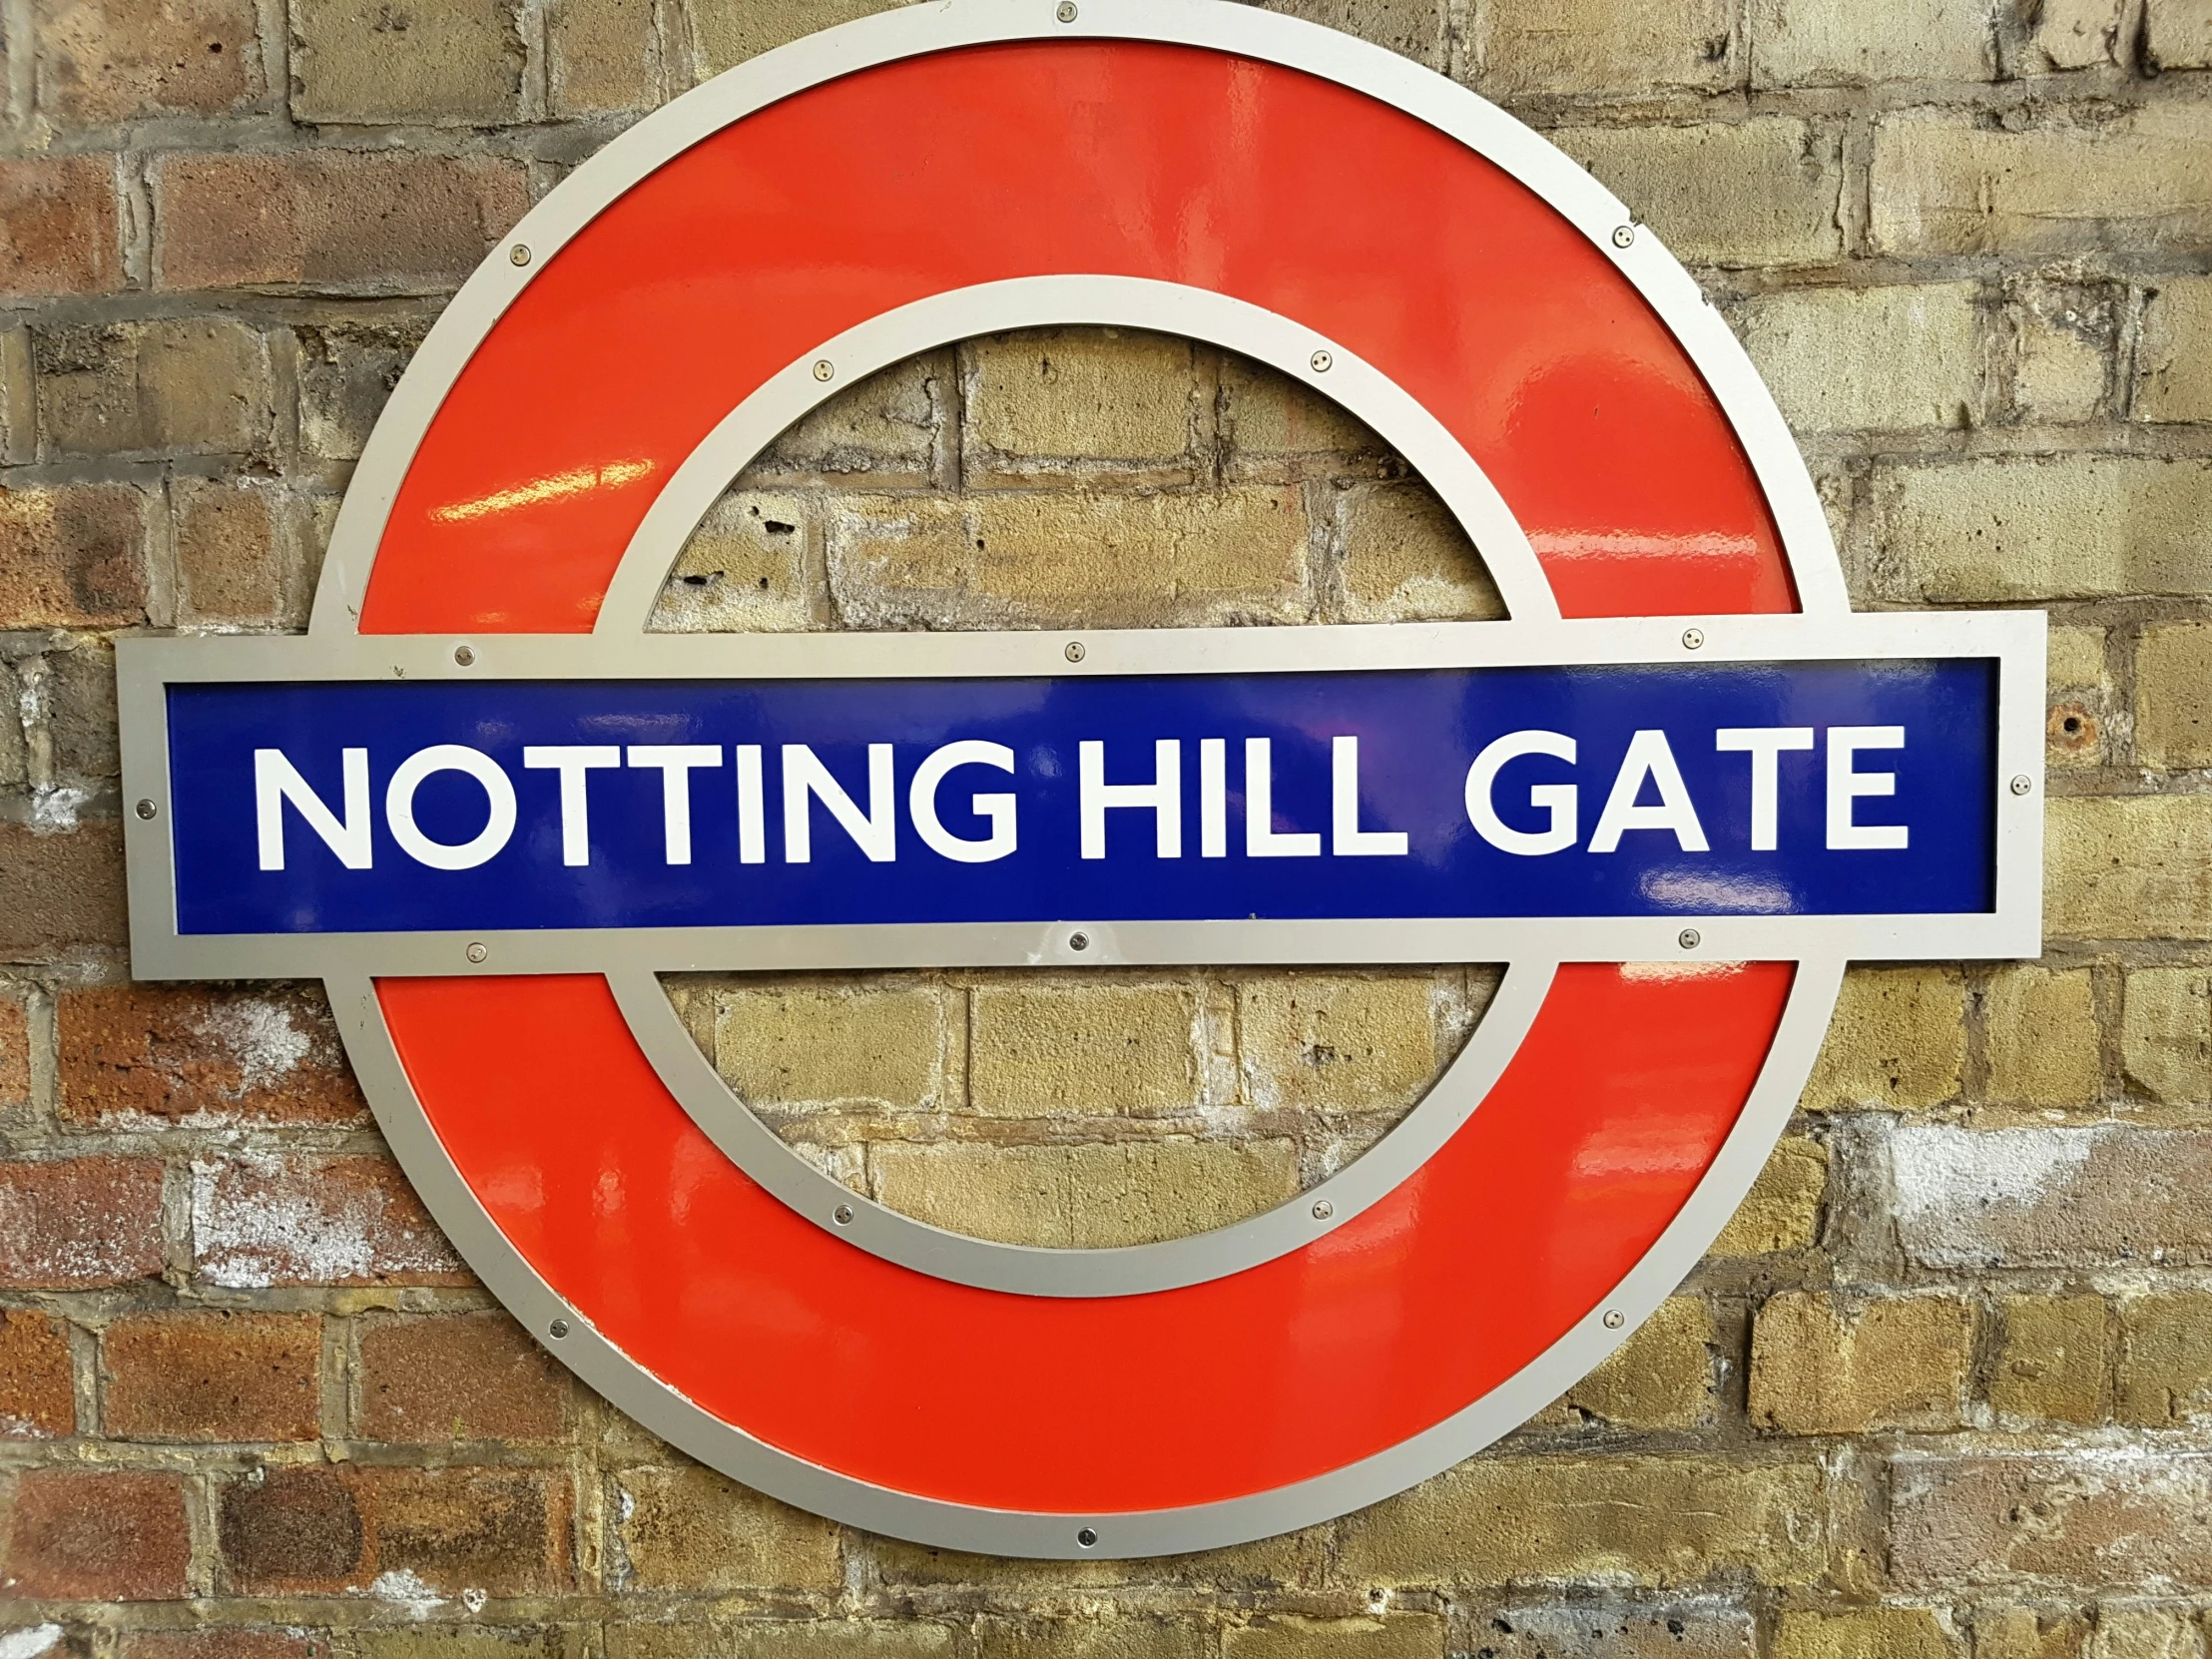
x=1408, y=1636
x=2145, y=1633
x=2074, y=34
x=814, y=1045
x=758, y=1638
x=1892, y=358
x=1040, y=1050
x=1084, y=1196
x=1783, y=1209
x=1412, y=27
x=692, y=1530
x=2177, y=34
x=1898, y=1039
x=1861, y=1633
x=1661, y=1378
x=883, y=430
x=1705, y=1627
x=2081, y=699
x=2031, y=529
x=601, y=55
x=202, y=385
x=1103, y=1637
x=1322, y=1043
x=2165, y=1370
x=2166, y=1034
x=459, y=61
x=1947, y=184
x=730, y=31
x=1266, y=415
x=461, y=1642
x=2065, y=340
x=1046, y=557
x=2077, y=658
x=1820, y=43
x=1649, y=1522
x=1042, y=399
x=1406, y=559
x=2043, y=1038
x=1539, y=47
x=1289, y=1558
x=1820, y=1366
x=2129, y=867
x=2050, y=1361
x=2174, y=695
x=2025, y=1633
x=2174, y=359
x=1751, y=193
x=743, y=569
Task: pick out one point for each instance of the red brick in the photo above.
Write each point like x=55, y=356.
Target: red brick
x=78, y=1536
x=2103, y=1520
x=213, y=1375
x=72, y=557
x=159, y=1055
x=262, y=1220
x=314, y=1530
x=61, y=893
x=223, y=1644
x=15, y=1051
x=77, y=1223
x=104, y=61
x=468, y=1376
x=37, y=1397
x=58, y=227
x=330, y=216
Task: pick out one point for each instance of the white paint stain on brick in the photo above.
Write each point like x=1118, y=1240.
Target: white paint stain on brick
x=1949, y=1181
x=261, y=1036
x=405, y=1586
x=255, y=1220
x=30, y=1641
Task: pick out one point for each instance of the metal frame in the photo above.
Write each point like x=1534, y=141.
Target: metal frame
x=1826, y=629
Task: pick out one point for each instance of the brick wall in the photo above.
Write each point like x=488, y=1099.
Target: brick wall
x=1945, y=1389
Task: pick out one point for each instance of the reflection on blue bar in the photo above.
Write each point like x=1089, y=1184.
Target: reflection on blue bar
x=1821, y=789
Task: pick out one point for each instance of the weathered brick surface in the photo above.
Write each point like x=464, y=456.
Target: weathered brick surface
x=1761, y=192
x=2128, y=866
x=356, y=61
x=216, y=1375
x=71, y=1223
x=1593, y=46
x=1661, y=1378
x=151, y=1056
x=691, y=1530
x=2052, y=1358
x=1863, y=1633
x=1824, y=1366
x=2164, y=1377
x=2043, y=1038
x=1125, y=1050
x=1898, y=1039
x=260, y=1219
x=1960, y=1522
x=83, y=1536
x=1809, y=43
x=1783, y=1209
x=1839, y=359
x=1411, y=1636
x=73, y=557
x=38, y=1398
x=60, y=894
x=186, y=386
x=462, y=1377
x=15, y=1052
x=58, y=227
x=2166, y=1034
x=104, y=61
x=2173, y=695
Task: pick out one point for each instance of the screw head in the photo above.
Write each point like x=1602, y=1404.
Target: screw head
x=1074, y=652
x=1614, y=1319
x=518, y=255
x=824, y=369
x=464, y=655
x=2021, y=786
x=477, y=952
x=559, y=1327
x=147, y=808
x=1065, y=11
x=1692, y=638
x=1086, y=1537
x=1322, y=1209
x=1079, y=941
x=1322, y=363
x=842, y=1215
x=1624, y=236
x=1688, y=938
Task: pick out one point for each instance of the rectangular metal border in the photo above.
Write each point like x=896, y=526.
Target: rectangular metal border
x=146, y=666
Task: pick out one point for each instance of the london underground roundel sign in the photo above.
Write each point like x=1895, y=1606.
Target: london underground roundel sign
x=1675, y=791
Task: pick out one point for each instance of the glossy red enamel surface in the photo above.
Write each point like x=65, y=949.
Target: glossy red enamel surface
x=1546, y=1197
x=1162, y=162
x=1149, y=161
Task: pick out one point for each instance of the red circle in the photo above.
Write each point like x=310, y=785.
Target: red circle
x=1298, y=194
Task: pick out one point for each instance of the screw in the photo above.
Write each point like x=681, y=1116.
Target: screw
x=1322, y=363
x=2021, y=786
x=1688, y=939
x=1692, y=638
x=842, y=1215
x=1086, y=1537
x=476, y=952
x=1079, y=941
x=1074, y=652
x=518, y=255
x=558, y=1328
x=147, y=808
x=1614, y=1319
x=1065, y=11
x=1624, y=236
x=464, y=654
x=824, y=369
x=1322, y=1209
